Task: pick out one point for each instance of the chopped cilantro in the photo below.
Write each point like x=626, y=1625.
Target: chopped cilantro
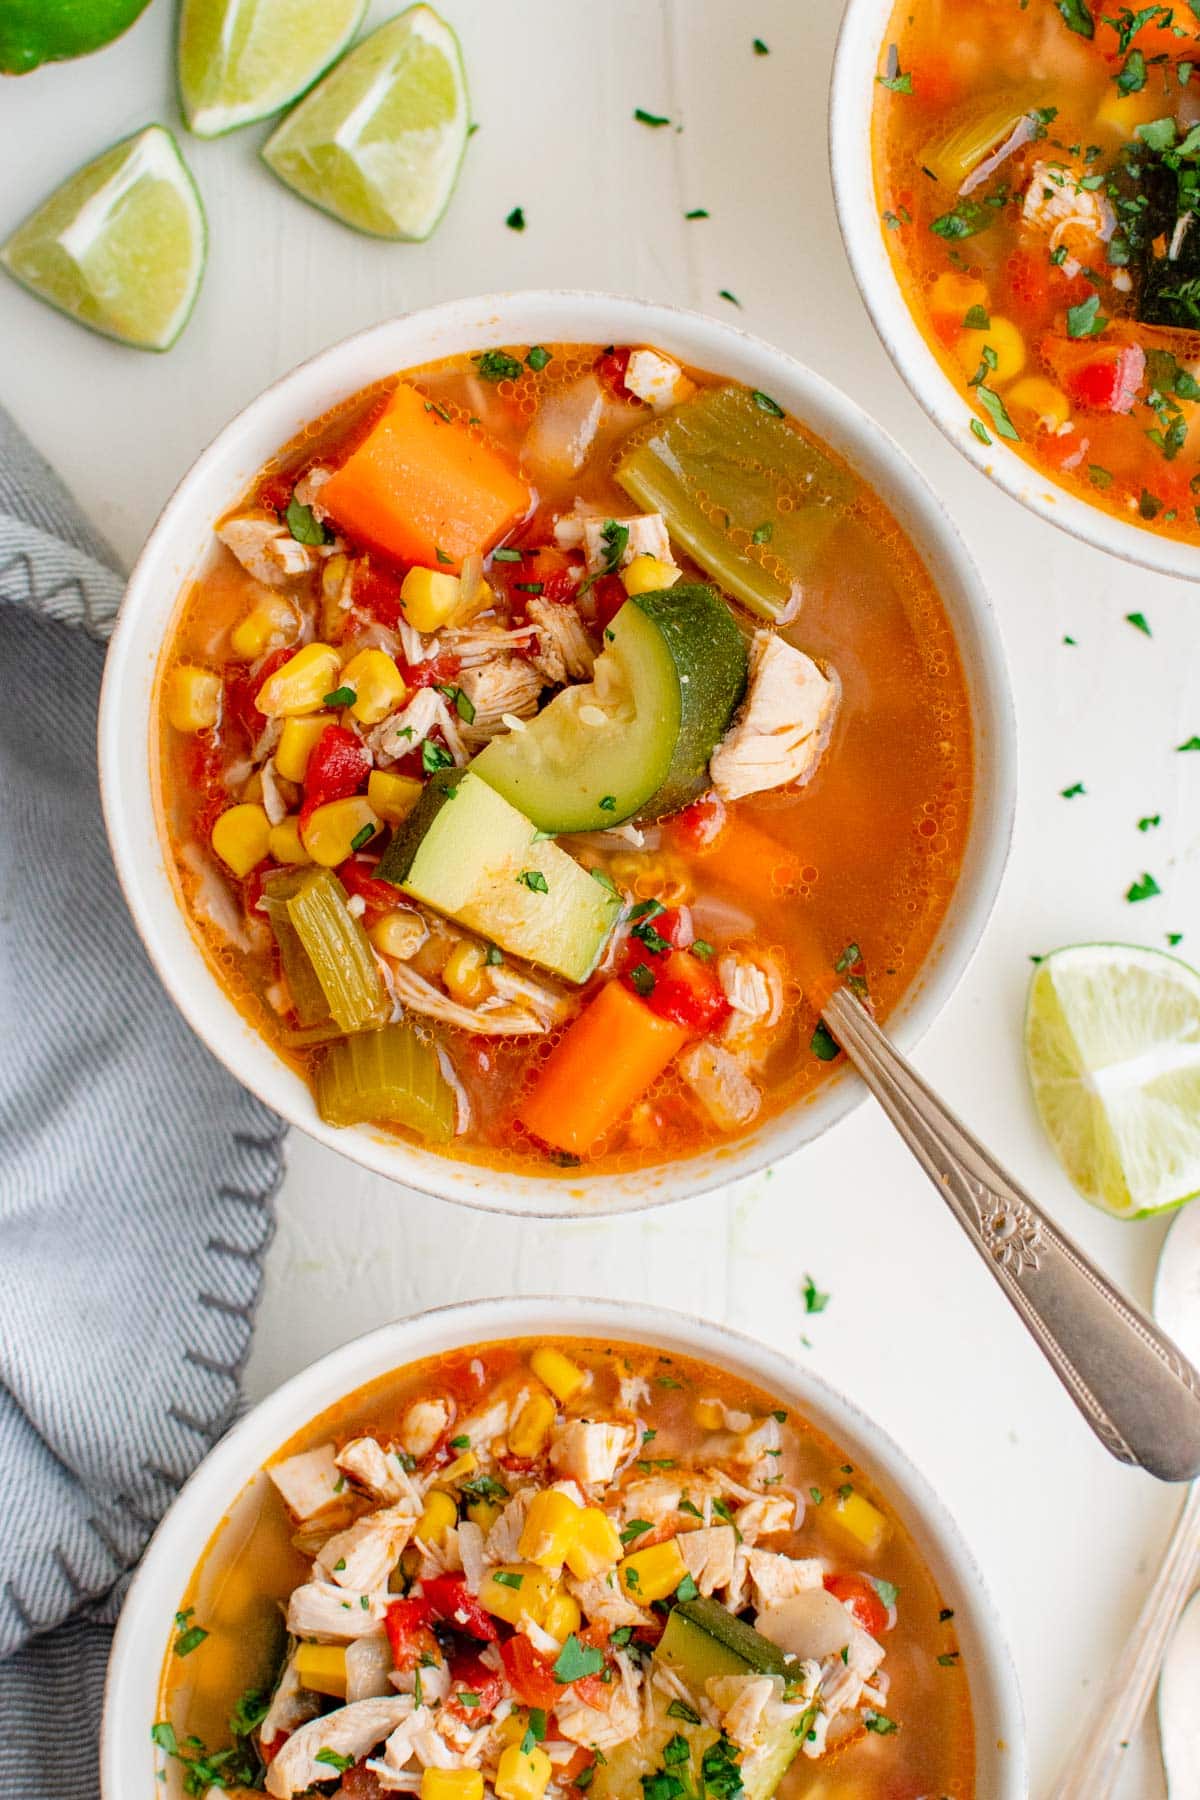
x=1069, y=793
x=333, y=1760
x=887, y=1590
x=814, y=1300
x=534, y=880
x=341, y=696
x=763, y=533
x=435, y=757
x=698, y=212
x=976, y=318
x=516, y=219
x=648, y=118
x=765, y=403
x=1149, y=822
x=880, y=1723
x=1145, y=889
x=641, y=979
x=635, y=1529
x=304, y=524
x=608, y=803
x=994, y=406
x=1139, y=622
x=576, y=1660
x=497, y=365
x=1086, y=319
x=760, y=49
x=537, y=358
x=724, y=294
x=362, y=837
x=1078, y=17
x=687, y=1589
x=823, y=1044
x=506, y=554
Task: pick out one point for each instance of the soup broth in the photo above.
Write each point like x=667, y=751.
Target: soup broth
x=578, y=736
x=799, y=1549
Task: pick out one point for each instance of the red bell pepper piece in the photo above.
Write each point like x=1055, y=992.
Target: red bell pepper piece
x=530, y=1676
x=357, y=875
x=612, y=366
x=1108, y=382
x=376, y=592
x=407, y=1625
x=451, y=1600
x=475, y=1690
x=337, y=767
x=861, y=1599
x=685, y=990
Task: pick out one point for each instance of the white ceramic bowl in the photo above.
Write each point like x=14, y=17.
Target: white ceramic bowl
x=127, y=1757
x=180, y=540
x=857, y=61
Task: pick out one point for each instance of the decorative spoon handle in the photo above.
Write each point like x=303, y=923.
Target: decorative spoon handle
x=1136, y=1390
x=1099, y=1760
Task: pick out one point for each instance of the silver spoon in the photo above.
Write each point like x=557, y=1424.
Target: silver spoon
x=1098, y=1762
x=1136, y=1390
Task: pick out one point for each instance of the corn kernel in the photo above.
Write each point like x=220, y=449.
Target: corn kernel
x=193, y=698
x=451, y=1784
x=378, y=685
x=265, y=627
x=597, y=1546
x=284, y=842
x=708, y=1415
x=333, y=830
x=563, y=1377
x=953, y=295
x=524, y=1589
x=531, y=1427
x=483, y=1513
x=654, y=1573
x=512, y=1729
x=522, y=1774
x=1001, y=336
x=550, y=1528
x=429, y=597
x=302, y=683
x=333, y=613
x=296, y=743
x=466, y=1464
x=463, y=973
x=439, y=1515
x=645, y=574
x=392, y=796
x=1035, y=394
x=398, y=933
x=322, y=1667
x=561, y=1616
x=861, y=1521
x=241, y=837
x=1123, y=113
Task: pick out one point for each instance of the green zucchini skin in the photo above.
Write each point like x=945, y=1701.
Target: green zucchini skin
x=709, y=655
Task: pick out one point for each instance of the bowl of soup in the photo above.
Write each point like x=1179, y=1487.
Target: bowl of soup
x=1014, y=184
x=520, y=714
x=531, y=1548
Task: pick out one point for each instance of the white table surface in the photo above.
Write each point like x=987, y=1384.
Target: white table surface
x=915, y=1330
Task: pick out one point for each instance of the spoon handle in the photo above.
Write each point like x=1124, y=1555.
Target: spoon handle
x=1136, y=1390
x=1099, y=1760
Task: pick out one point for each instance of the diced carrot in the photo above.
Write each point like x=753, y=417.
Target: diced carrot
x=742, y=855
x=606, y=1061
x=424, y=489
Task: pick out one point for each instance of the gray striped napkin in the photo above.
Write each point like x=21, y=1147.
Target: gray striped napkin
x=135, y=1176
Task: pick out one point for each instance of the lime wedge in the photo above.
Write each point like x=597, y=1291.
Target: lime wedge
x=33, y=32
x=120, y=245
x=1112, y=1044
x=379, y=142
x=240, y=60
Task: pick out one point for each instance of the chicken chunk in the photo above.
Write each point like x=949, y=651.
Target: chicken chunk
x=363, y=1556
x=775, y=1578
x=423, y=1424
x=590, y=1452
x=508, y=688
x=709, y=1554
x=783, y=725
x=657, y=380
x=647, y=536
x=1076, y=217
x=408, y=727
x=309, y=1482
x=721, y=1085
x=766, y=1517
x=335, y=1615
x=605, y=1605
x=564, y=652
x=349, y=1732
x=620, y=1719
x=372, y=1468
x=292, y=1705
x=266, y=549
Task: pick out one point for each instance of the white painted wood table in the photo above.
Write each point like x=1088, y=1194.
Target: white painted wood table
x=915, y=1330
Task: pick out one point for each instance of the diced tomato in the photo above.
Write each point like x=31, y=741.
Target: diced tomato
x=612, y=366
x=451, y=1600
x=861, y=1600
x=241, y=691
x=407, y=1625
x=699, y=825
x=529, y=1675
x=603, y=601
x=687, y=992
x=937, y=82
x=575, y=1764
x=376, y=591
x=357, y=875
x=337, y=767
x=1104, y=380
x=484, y=1688
x=439, y=671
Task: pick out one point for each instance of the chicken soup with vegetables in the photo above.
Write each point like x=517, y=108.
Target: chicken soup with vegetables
x=1037, y=167
x=565, y=1569
x=544, y=724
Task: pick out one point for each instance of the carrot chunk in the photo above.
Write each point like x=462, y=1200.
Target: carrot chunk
x=424, y=489
x=606, y=1061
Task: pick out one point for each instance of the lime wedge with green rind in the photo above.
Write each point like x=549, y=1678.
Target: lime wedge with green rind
x=1112, y=1045
x=241, y=60
x=33, y=32
x=379, y=142
x=120, y=246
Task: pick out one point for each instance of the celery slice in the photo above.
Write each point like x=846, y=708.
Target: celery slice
x=324, y=950
x=957, y=152
x=388, y=1077
x=742, y=492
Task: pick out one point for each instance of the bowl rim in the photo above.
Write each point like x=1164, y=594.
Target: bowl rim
x=143, y=1630
x=168, y=557
x=851, y=163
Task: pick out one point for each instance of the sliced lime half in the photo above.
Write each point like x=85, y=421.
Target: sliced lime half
x=378, y=143
x=120, y=245
x=241, y=60
x=1112, y=1044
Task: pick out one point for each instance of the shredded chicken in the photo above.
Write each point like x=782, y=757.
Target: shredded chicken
x=775, y=1577
x=349, y=1732
x=709, y=1555
x=564, y=652
x=364, y=1555
x=602, y=1730
x=505, y=688
x=783, y=725
x=721, y=1085
x=590, y=1451
x=753, y=984
x=332, y=1614
x=493, y=1017
x=657, y=380
x=484, y=640
x=1079, y=218
x=408, y=728
x=308, y=1482
x=266, y=548
x=367, y=1464
x=647, y=536
x=423, y=1424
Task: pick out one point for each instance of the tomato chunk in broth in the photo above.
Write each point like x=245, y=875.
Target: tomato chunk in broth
x=559, y=1568
x=1036, y=169
x=545, y=725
